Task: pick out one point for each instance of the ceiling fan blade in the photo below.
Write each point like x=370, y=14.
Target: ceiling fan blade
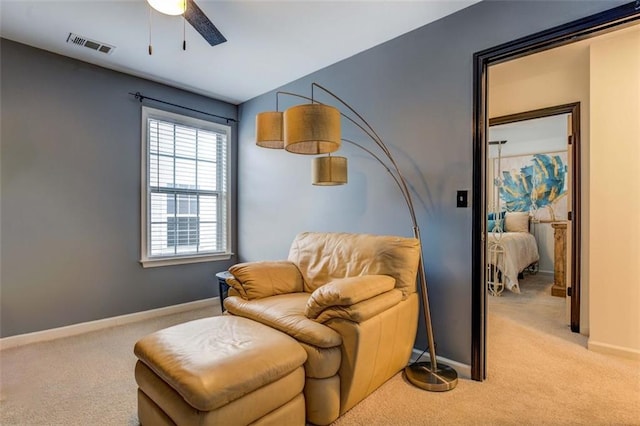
x=198, y=20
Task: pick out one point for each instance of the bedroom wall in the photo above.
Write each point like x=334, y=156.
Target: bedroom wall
x=70, y=173
x=614, y=265
x=416, y=90
x=554, y=77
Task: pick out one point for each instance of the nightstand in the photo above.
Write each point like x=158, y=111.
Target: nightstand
x=559, y=287
x=223, y=287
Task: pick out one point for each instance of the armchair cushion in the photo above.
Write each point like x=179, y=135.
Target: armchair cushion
x=285, y=312
x=256, y=280
x=347, y=291
x=324, y=257
x=362, y=311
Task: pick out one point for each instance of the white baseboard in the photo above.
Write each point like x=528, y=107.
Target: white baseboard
x=463, y=370
x=85, y=327
x=607, y=349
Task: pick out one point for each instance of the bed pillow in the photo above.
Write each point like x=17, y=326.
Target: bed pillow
x=493, y=224
x=494, y=220
x=516, y=222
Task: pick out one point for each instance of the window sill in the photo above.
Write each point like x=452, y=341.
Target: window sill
x=168, y=261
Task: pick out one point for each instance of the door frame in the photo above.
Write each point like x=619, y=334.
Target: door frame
x=581, y=29
x=576, y=207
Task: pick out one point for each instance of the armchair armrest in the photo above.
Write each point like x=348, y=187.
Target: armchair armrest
x=347, y=292
x=361, y=311
x=256, y=280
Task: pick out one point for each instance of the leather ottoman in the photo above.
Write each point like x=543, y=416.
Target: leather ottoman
x=222, y=370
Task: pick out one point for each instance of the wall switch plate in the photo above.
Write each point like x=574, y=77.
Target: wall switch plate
x=462, y=198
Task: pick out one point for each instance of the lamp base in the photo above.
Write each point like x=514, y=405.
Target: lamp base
x=421, y=375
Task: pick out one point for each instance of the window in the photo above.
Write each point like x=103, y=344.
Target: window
x=185, y=197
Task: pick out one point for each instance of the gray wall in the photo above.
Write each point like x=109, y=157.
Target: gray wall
x=71, y=195
x=416, y=91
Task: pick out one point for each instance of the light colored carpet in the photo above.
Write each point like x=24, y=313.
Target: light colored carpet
x=534, y=307
x=534, y=378
x=80, y=380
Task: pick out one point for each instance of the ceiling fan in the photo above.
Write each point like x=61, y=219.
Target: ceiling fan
x=193, y=15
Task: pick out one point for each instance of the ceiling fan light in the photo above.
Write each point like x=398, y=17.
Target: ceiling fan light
x=169, y=7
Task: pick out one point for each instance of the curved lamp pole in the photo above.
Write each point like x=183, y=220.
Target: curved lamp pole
x=428, y=375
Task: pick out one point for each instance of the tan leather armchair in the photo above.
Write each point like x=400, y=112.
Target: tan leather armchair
x=350, y=301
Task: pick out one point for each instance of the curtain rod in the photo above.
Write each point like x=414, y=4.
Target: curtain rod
x=139, y=96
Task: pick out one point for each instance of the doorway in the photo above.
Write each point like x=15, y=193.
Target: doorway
x=583, y=29
x=533, y=173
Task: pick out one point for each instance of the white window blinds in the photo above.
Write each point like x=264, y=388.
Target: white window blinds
x=186, y=187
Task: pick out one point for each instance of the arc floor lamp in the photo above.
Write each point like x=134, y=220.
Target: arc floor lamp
x=315, y=129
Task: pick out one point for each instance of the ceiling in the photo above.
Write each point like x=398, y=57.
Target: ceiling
x=546, y=134
x=270, y=43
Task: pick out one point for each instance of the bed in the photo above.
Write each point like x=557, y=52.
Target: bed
x=508, y=254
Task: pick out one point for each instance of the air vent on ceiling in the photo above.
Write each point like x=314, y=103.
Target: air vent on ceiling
x=91, y=44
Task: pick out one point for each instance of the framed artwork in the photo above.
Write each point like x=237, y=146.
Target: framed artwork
x=536, y=183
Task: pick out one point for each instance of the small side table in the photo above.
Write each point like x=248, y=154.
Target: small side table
x=223, y=287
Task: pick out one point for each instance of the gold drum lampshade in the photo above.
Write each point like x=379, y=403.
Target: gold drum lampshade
x=329, y=171
x=312, y=129
x=269, y=130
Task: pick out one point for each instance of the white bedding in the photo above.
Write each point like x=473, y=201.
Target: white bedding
x=520, y=251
